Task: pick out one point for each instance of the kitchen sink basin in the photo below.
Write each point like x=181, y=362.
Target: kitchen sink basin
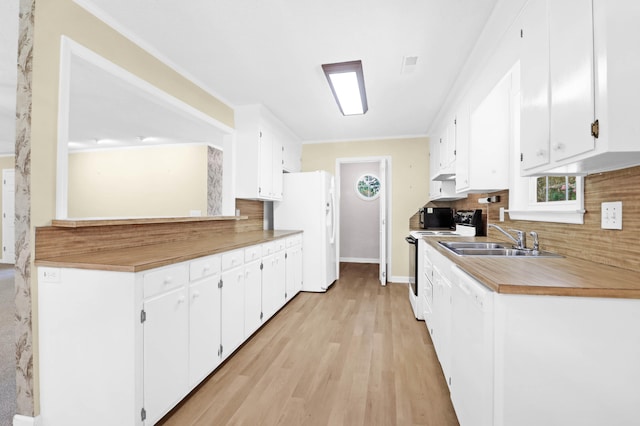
x=451, y=245
x=492, y=250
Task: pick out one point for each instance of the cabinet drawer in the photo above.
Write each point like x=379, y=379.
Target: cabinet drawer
x=295, y=240
x=280, y=244
x=161, y=280
x=252, y=253
x=204, y=267
x=268, y=248
x=232, y=259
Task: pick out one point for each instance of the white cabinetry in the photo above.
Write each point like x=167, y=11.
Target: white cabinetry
x=487, y=153
x=154, y=335
x=443, y=149
x=252, y=297
x=574, y=356
x=273, y=283
x=293, y=266
x=232, y=302
x=578, y=70
x=204, y=318
x=263, y=144
x=166, y=339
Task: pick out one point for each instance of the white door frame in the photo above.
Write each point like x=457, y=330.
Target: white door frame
x=386, y=206
x=6, y=228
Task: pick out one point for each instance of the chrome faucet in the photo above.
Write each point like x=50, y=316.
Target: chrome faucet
x=520, y=242
x=536, y=243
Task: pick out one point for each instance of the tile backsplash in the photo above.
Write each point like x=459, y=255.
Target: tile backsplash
x=619, y=248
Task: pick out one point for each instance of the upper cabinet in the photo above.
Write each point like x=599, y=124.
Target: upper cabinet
x=263, y=145
x=484, y=138
x=443, y=150
x=579, y=86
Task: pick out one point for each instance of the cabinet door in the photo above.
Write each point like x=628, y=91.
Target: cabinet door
x=293, y=271
x=166, y=352
x=279, y=280
x=572, y=79
x=252, y=297
x=265, y=164
x=276, y=169
x=534, y=89
x=273, y=283
x=490, y=126
x=462, y=148
x=204, y=328
x=232, y=310
x=268, y=287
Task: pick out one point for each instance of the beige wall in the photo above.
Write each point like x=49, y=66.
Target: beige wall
x=54, y=18
x=409, y=181
x=145, y=182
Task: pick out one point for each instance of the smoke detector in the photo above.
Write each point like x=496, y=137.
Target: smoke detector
x=409, y=64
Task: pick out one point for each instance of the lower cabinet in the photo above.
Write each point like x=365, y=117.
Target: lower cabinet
x=252, y=297
x=123, y=348
x=232, y=310
x=575, y=357
x=204, y=328
x=166, y=352
x=293, y=269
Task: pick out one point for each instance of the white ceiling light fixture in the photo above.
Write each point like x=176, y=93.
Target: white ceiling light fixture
x=346, y=80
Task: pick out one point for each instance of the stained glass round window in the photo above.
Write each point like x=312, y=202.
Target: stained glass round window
x=368, y=187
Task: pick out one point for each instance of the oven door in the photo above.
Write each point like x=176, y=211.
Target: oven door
x=413, y=264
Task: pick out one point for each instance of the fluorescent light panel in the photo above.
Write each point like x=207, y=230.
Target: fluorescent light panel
x=346, y=80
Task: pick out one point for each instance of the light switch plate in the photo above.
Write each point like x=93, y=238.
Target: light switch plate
x=611, y=214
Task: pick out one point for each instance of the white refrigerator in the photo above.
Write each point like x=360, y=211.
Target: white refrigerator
x=308, y=204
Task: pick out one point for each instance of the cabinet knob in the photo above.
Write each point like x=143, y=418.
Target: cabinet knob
x=540, y=153
x=196, y=294
x=168, y=280
x=181, y=300
x=558, y=147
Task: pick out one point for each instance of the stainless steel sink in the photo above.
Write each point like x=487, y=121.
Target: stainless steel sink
x=471, y=245
x=491, y=249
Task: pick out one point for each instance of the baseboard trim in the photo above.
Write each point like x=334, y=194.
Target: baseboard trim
x=359, y=260
x=399, y=279
x=19, y=420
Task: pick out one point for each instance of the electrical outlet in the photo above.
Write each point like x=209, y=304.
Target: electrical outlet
x=51, y=275
x=611, y=214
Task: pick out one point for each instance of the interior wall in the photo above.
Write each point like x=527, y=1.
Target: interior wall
x=409, y=183
x=587, y=241
x=359, y=218
x=144, y=182
x=45, y=21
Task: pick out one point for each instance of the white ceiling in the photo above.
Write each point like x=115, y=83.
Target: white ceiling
x=271, y=51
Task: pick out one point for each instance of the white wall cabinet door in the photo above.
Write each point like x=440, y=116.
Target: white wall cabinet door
x=265, y=164
x=534, y=85
x=204, y=328
x=166, y=352
x=489, y=139
x=572, y=79
x=232, y=310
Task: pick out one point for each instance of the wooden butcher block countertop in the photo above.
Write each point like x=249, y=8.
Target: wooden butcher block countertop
x=141, y=258
x=555, y=276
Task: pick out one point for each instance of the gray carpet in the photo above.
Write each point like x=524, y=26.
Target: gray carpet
x=7, y=347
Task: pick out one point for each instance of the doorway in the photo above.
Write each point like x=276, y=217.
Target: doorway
x=363, y=198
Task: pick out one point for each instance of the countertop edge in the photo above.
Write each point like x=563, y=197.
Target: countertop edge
x=92, y=259
x=538, y=290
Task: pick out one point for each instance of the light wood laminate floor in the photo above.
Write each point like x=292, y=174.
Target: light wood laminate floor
x=352, y=356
